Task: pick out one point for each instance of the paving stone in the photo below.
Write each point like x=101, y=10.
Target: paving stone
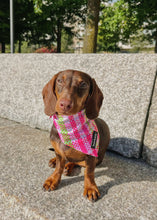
x=128, y=187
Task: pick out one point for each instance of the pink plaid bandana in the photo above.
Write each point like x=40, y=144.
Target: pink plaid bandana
x=78, y=132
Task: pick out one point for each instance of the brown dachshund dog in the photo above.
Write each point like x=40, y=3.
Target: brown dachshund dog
x=67, y=93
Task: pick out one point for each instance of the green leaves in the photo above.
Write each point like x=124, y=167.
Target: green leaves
x=121, y=20
x=37, y=6
x=115, y=25
x=41, y=21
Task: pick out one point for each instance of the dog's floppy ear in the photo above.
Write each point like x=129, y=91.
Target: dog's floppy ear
x=94, y=101
x=49, y=96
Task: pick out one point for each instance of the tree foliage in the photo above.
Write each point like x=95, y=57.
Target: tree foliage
x=61, y=16
x=4, y=24
x=45, y=27
x=126, y=20
x=23, y=14
x=146, y=14
x=49, y=22
x=117, y=23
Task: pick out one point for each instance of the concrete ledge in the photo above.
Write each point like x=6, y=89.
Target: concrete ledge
x=150, y=139
x=125, y=79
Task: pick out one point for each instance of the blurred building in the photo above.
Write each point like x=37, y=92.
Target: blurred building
x=78, y=39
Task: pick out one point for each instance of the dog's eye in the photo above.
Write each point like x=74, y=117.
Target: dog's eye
x=59, y=81
x=83, y=85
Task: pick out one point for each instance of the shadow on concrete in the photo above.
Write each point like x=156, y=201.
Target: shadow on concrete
x=117, y=168
x=127, y=147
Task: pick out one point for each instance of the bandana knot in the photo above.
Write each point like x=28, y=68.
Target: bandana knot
x=78, y=132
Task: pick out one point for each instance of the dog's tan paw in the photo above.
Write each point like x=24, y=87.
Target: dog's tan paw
x=50, y=184
x=68, y=168
x=52, y=162
x=92, y=193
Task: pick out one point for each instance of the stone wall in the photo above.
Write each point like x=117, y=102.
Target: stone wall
x=126, y=81
x=150, y=137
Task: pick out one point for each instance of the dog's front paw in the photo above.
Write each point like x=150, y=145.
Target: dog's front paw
x=91, y=192
x=50, y=184
x=52, y=162
x=69, y=168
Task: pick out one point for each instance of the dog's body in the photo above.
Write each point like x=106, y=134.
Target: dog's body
x=67, y=93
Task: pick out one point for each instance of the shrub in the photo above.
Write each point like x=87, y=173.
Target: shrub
x=45, y=50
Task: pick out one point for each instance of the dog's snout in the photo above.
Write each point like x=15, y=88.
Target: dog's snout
x=65, y=105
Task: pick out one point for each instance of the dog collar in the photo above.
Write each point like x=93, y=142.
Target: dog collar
x=78, y=132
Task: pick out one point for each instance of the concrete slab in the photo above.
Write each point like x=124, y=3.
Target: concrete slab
x=128, y=186
x=150, y=139
x=125, y=79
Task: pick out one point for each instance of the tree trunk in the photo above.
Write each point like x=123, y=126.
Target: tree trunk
x=90, y=38
x=3, y=47
x=59, y=31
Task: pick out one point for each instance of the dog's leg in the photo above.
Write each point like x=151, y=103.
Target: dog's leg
x=90, y=189
x=52, y=182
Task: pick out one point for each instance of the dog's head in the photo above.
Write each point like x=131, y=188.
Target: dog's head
x=70, y=91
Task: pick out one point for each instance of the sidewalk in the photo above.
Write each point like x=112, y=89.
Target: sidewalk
x=128, y=187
